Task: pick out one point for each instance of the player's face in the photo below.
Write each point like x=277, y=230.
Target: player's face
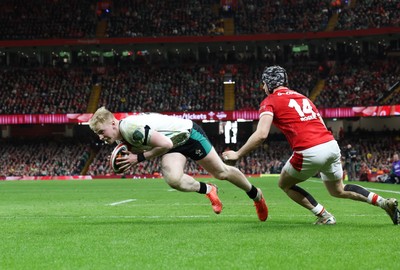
x=108, y=132
x=265, y=87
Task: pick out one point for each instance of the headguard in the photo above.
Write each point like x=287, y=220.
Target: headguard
x=274, y=76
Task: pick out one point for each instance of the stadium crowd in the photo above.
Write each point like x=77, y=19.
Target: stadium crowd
x=370, y=14
x=139, y=18
x=183, y=88
x=20, y=19
x=187, y=87
x=43, y=157
x=177, y=84
x=259, y=16
x=69, y=157
x=44, y=90
x=361, y=84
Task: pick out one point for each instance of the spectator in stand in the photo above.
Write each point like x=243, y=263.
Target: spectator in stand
x=350, y=157
x=365, y=172
x=394, y=176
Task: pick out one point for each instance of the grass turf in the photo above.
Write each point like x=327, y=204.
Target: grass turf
x=144, y=224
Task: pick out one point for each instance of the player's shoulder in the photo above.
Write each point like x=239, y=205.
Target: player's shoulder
x=287, y=92
x=151, y=116
x=143, y=116
x=131, y=121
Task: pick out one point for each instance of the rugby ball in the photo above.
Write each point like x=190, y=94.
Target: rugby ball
x=116, y=153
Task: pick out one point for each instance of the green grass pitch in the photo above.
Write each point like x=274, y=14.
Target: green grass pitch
x=144, y=224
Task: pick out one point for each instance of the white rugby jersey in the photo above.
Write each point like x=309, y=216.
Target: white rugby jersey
x=137, y=129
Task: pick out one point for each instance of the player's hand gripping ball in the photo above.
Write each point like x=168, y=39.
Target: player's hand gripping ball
x=116, y=153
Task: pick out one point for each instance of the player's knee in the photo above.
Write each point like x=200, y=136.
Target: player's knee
x=337, y=193
x=172, y=178
x=221, y=175
x=174, y=183
x=226, y=173
x=284, y=186
x=286, y=182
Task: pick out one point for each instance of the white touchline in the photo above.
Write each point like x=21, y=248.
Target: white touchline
x=121, y=202
x=384, y=190
x=375, y=189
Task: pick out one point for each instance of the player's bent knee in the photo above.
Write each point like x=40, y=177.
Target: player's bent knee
x=172, y=179
x=284, y=186
x=337, y=194
x=281, y=186
x=222, y=175
x=175, y=183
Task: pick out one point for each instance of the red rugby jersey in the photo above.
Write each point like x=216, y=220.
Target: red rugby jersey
x=297, y=117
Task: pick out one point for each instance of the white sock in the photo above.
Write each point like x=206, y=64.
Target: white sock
x=317, y=210
x=375, y=199
x=209, y=187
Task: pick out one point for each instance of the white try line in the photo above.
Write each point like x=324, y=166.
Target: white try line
x=121, y=202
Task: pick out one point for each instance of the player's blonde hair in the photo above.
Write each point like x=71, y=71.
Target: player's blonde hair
x=101, y=116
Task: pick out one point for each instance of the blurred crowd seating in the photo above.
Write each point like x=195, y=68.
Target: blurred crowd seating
x=359, y=84
x=182, y=88
x=44, y=90
x=258, y=16
x=43, y=157
x=188, y=87
x=353, y=79
x=374, y=151
x=47, y=19
x=69, y=157
x=148, y=18
x=370, y=14
x=144, y=18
